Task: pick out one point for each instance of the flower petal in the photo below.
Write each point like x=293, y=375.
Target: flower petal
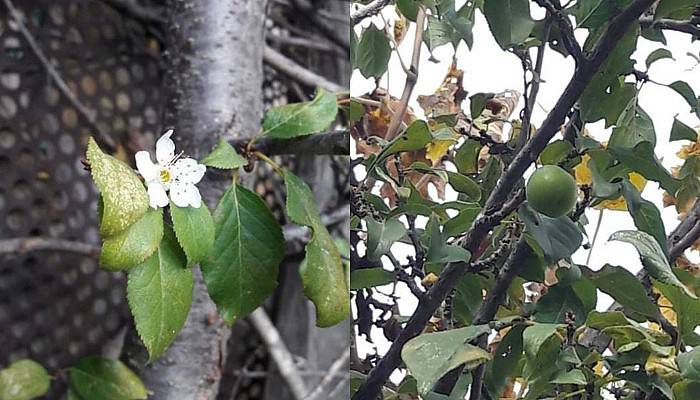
x=145, y=166
x=165, y=148
x=157, y=196
x=187, y=170
x=185, y=195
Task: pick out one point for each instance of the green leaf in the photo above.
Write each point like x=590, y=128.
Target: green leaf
x=462, y=221
x=675, y=9
x=466, y=298
x=653, y=257
x=646, y=216
x=450, y=26
x=369, y=277
x=194, y=228
x=439, y=251
x=416, y=137
x=159, y=292
x=466, y=157
x=688, y=94
x=624, y=287
x=633, y=127
x=505, y=360
x=509, y=20
x=134, y=245
x=373, y=52
x=689, y=364
x=593, y=14
x=123, y=195
x=355, y=111
x=607, y=95
x=224, y=156
x=100, y=378
x=23, y=380
x=322, y=270
x=658, y=54
x=431, y=355
x=409, y=8
x=556, y=303
x=299, y=119
x=477, y=102
x=558, y=237
x=642, y=159
x=686, y=390
x=534, y=336
x=572, y=377
x=555, y=152
x=464, y=185
x=681, y=131
x=541, y=347
x=380, y=236
x=241, y=269
x=687, y=309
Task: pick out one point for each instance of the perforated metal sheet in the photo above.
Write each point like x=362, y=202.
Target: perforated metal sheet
x=57, y=307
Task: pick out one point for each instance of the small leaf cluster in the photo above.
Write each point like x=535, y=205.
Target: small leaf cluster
x=93, y=377
x=239, y=246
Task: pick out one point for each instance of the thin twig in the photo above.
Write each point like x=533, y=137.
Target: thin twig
x=368, y=10
x=292, y=69
x=330, y=143
x=567, y=31
x=23, y=245
x=89, y=115
x=150, y=15
x=411, y=78
x=279, y=352
x=339, y=364
x=330, y=31
x=691, y=27
x=308, y=43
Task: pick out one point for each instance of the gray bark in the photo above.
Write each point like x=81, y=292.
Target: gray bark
x=214, y=80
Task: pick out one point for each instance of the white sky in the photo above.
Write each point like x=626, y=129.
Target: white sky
x=489, y=69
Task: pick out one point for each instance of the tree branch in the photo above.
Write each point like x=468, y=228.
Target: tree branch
x=368, y=10
x=411, y=78
x=149, y=15
x=24, y=245
x=87, y=114
x=331, y=143
x=289, y=67
x=279, y=352
x=451, y=274
x=567, y=31
x=691, y=27
x=339, y=364
x=328, y=30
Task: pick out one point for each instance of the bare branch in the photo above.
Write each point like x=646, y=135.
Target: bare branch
x=328, y=30
x=308, y=43
x=331, y=143
x=149, y=15
x=89, y=115
x=289, y=67
x=339, y=364
x=451, y=274
x=368, y=10
x=411, y=78
x=23, y=245
x=279, y=352
x=567, y=31
x=691, y=27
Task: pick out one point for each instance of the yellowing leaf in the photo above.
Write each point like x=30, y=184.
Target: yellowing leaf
x=584, y=177
x=664, y=366
x=437, y=149
x=123, y=195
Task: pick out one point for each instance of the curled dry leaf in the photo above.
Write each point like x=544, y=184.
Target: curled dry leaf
x=400, y=29
x=448, y=97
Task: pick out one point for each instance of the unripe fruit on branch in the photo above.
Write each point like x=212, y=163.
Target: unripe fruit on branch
x=551, y=191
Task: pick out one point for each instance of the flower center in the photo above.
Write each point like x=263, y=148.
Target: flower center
x=164, y=175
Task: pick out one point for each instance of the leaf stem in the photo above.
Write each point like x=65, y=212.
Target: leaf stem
x=270, y=162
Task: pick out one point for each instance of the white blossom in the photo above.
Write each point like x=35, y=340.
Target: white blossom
x=175, y=174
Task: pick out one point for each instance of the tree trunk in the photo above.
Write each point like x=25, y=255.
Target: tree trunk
x=214, y=84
